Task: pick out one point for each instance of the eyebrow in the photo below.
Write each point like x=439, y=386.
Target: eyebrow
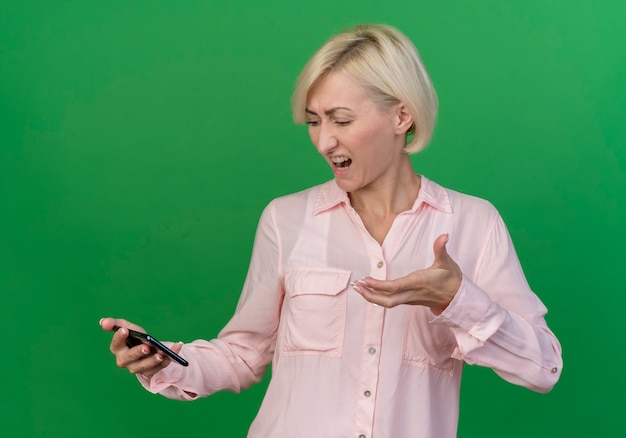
x=328, y=112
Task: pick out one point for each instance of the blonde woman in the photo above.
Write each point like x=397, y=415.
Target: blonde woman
x=367, y=293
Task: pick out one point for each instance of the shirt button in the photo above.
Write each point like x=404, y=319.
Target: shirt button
x=380, y=264
x=367, y=393
x=361, y=436
x=372, y=350
x=554, y=370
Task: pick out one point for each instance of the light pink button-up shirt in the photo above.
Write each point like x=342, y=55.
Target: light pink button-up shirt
x=343, y=367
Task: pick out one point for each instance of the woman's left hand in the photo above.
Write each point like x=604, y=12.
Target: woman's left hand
x=434, y=286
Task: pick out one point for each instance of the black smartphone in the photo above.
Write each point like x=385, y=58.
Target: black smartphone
x=137, y=338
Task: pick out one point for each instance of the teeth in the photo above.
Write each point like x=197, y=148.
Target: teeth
x=339, y=160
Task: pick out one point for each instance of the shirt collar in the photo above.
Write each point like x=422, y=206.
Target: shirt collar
x=330, y=195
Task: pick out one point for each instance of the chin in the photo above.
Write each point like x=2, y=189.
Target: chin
x=347, y=186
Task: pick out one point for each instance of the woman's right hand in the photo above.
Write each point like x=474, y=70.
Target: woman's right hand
x=139, y=359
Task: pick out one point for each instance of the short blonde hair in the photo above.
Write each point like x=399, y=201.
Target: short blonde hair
x=387, y=64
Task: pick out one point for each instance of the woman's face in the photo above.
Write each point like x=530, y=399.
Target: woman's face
x=362, y=143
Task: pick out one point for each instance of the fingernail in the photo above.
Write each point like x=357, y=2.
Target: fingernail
x=145, y=351
x=159, y=358
x=101, y=319
x=124, y=331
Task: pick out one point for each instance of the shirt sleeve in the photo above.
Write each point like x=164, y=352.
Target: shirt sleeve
x=498, y=322
x=243, y=350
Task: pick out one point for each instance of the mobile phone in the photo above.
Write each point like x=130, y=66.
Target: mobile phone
x=137, y=338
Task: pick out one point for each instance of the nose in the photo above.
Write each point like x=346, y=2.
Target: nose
x=324, y=139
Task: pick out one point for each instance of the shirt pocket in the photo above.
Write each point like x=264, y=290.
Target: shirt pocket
x=314, y=315
x=428, y=345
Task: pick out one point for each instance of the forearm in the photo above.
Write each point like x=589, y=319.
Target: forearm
x=522, y=350
x=213, y=366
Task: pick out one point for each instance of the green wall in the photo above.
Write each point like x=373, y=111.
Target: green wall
x=140, y=140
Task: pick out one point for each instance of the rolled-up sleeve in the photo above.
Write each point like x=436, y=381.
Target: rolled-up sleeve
x=499, y=322
x=241, y=353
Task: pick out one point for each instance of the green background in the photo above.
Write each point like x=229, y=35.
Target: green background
x=140, y=140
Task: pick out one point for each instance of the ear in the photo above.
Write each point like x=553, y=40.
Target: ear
x=404, y=120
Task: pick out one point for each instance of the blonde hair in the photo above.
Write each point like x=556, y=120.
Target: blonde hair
x=387, y=64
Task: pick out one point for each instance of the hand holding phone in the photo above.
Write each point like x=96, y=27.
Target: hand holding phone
x=137, y=338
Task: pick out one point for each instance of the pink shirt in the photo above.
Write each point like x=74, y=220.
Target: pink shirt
x=343, y=367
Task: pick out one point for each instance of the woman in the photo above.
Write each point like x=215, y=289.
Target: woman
x=369, y=292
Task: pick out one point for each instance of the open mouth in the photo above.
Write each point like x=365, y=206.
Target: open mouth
x=341, y=162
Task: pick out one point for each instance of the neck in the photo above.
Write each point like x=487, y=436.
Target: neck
x=391, y=197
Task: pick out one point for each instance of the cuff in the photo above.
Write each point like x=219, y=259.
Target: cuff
x=472, y=311
x=164, y=380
